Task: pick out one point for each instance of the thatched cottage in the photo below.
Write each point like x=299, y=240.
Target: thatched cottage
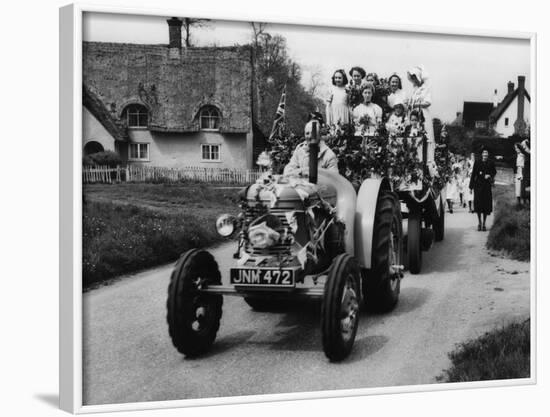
x=169, y=105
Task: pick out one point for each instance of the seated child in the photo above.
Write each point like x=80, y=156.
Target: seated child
x=397, y=122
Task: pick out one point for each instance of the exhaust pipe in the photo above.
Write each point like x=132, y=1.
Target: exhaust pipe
x=314, y=152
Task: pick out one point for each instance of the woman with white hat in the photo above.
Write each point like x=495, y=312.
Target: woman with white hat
x=421, y=100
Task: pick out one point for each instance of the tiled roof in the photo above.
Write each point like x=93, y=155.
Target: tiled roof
x=501, y=108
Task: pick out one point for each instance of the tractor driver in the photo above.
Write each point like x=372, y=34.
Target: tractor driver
x=299, y=162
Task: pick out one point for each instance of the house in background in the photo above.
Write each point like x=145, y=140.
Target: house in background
x=168, y=105
x=475, y=115
x=101, y=131
x=508, y=117
x=512, y=115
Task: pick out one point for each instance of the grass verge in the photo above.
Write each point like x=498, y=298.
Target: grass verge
x=503, y=353
x=129, y=227
x=511, y=230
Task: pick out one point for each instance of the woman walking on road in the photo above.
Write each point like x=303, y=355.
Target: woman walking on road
x=481, y=182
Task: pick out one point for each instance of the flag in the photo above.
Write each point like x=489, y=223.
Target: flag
x=279, y=115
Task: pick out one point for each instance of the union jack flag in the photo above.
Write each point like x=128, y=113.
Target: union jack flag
x=279, y=115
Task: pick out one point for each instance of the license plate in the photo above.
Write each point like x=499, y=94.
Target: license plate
x=262, y=277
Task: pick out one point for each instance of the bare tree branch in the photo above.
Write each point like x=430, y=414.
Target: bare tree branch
x=190, y=23
x=316, y=81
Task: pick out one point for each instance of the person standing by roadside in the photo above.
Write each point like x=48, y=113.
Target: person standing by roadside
x=481, y=182
x=452, y=191
x=518, y=169
x=469, y=193
x=526, y=174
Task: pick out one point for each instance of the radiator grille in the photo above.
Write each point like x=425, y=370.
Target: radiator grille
x=279, y=249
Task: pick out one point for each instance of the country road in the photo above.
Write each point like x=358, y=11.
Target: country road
x=462, y=292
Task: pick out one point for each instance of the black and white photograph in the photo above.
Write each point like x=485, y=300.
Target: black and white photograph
x=263, y=207
x=274, y=208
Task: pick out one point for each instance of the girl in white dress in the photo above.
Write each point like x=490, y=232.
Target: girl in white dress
x=367, y=116
x=452, y=191
x=337, y=103
x=421, y=99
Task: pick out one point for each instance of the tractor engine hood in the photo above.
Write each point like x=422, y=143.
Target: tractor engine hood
x=289, y=192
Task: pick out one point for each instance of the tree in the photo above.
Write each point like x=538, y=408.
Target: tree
x=273, y=70
x=316, y=81
x=437, y=128
x=190, y=23
x=459, y=141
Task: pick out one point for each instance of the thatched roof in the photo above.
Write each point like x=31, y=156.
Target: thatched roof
x=174, y=86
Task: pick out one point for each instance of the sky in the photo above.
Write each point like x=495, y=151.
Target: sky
x=460, y=68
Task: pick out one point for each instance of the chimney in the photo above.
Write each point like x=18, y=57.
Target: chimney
x=520, y=125
x=495, y=98
x=174, y=32
x=510, y=87
x=521, y=96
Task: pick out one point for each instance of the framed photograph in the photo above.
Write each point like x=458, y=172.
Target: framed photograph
x=280, y=210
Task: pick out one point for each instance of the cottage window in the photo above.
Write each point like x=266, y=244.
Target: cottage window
x=138, y=152
x=210, y=153
x=210, y=118
x=480, y=124
x=506, y=121
x=137, y=116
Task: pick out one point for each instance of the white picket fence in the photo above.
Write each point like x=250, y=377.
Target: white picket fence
x=137, y=173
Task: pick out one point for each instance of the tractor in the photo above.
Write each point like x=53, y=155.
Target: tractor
x=311, y=236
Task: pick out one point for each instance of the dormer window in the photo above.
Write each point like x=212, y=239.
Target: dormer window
x=137, y=116
x=210, y=118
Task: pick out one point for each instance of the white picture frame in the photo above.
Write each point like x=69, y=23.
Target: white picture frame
x=71, y=213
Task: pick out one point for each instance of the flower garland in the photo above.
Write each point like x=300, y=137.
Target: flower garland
x=377, y=153
x=382, y=154
x=319, y=215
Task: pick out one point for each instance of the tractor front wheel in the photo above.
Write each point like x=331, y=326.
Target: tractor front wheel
x=193, y=316
x=340, y=308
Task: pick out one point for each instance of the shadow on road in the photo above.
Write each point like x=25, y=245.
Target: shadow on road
x=410, y=299
x=443, y=256
x=226, y=343
x=366, y=346
x=299, y=329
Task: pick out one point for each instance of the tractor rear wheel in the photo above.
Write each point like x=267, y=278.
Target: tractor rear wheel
x=414, y=249
x=193, y=317
x=340, y=307
x=382, y=282
x=439, y=224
